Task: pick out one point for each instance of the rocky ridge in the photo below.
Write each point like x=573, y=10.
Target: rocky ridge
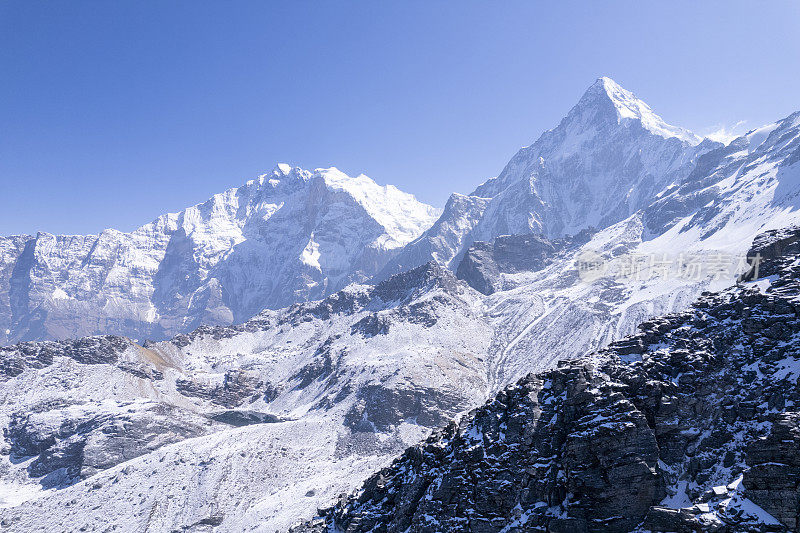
x=610, y=157
x=689, y=425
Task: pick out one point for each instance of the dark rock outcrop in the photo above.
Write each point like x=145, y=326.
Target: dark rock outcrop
x=773, y=479
x=483, y=262
x=772, y=248
x=237, y=387
x=67, y=446
x=379, y=408
x=244, y=418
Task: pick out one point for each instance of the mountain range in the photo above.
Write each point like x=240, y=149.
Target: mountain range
x=287, y=236
x=242, y=364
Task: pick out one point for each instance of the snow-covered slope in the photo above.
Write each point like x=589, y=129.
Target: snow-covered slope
x=675, y=200
x=290, y=235
x=694, y=237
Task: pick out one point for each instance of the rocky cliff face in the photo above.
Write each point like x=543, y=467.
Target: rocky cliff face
x=689, y=425
x=287, y=236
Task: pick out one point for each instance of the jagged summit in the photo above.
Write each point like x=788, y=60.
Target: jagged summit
x=398, y=212
x=612, y=102
x=604, y=89
x=602, y=136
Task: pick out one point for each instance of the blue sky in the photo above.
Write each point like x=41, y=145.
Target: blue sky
x=112, y=113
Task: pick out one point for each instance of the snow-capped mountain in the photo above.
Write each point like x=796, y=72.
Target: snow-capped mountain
x=710, y=215
x=255, y=425
x=715, y=199
x=288, y=236
x=609, y=157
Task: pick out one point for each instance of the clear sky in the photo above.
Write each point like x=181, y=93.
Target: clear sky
x=112, y=113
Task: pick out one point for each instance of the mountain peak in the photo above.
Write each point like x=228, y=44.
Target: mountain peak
x=607, y=86
x=283, y=168
x=629, y=108
x=604, y=89
x=400, y=213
